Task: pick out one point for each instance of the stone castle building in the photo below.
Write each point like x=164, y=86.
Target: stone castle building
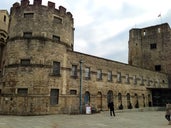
x=42, y=74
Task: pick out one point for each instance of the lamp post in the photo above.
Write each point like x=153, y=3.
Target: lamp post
x=81, y=80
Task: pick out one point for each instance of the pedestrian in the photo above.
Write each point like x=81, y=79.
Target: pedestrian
x=167, y=115
x=111, y=108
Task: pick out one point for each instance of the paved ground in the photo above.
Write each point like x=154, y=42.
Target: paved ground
x=148, y=119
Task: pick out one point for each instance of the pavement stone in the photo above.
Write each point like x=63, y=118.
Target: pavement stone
x=147, y=119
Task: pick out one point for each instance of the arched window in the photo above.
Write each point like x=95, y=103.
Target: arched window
x=87, y=97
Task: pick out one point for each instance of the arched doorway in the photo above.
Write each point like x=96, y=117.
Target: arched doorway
x=99, y=101
x=136, y=101
x=87, y=98
x=109, y=96
x=129, y=104
x=143, y=97
x=149, y=100
x=120, y=106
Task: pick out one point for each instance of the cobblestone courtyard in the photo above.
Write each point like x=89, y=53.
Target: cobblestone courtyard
x=148, y=119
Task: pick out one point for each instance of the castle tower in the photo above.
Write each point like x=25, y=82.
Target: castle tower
x=4, y=22
x=150, y=48
x=35, y=53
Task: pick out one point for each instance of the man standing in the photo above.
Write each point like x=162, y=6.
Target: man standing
x=111, y=107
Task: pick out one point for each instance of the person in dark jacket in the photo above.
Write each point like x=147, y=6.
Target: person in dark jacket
x=111, y=107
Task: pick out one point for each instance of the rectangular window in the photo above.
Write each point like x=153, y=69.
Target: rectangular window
x=153, y=46
x=157, y=67
x=99, y=74
x=54, y=96
x=73, y=92
x=28, y=15
x=144, y=32
x=56, y=68
x=159, y=30
x=127, y=78
x=27, y=34
x=25, y=62
x=141, y=80
x=56, y=38
x=134, y=80
x=57, y=20
x=5, y=18
x=87, y=72
x=109, y=76
x=22, y=91
x=74, y=70
x=119, y=77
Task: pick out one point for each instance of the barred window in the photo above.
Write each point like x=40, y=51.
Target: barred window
x=25, y=62
x=56, y=68
x=28, y=15
x=27, y=34
x=54, y=96
x=74, y=70
x=153, y=46
x=22, y=91
x=99, y=74
x=109, y=76
x=134, y=79
x=87, y=72
x=118, y=77
x=127, y=78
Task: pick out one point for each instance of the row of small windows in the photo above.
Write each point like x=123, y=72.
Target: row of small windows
x=54, y=94
x=87, y=74
x=29, y=35
x=99, y=73
x=56, y=19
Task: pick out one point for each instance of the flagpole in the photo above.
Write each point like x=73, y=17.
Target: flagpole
x=159, y=16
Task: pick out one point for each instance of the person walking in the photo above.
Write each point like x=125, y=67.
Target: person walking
x=167, y=115
x=111, y=108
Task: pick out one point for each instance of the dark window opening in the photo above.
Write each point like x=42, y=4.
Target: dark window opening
x=25, y=62
x=157, y=67
x=22, y=91
x=5, y=18
x=56, y=68
x=57, y=20
x=28, y=15
x=153, y=46
x=73, y=92
x=27, y=34
x=56, y=38
x=54, y=96
x=74, y=71
x=99, y=74
x=87, y=73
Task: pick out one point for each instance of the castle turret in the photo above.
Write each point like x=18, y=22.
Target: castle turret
x=38, y=21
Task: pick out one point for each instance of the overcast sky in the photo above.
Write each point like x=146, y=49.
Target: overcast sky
x=102, y=26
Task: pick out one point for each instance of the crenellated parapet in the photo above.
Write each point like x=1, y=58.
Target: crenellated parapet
x=37, y=20
x=38, y=3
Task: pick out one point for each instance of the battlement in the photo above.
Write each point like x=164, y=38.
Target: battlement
x=148, y=31
x=36, y=3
